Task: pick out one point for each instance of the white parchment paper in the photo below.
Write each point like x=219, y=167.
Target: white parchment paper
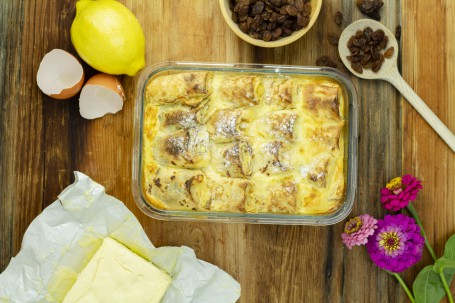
x=61, y=240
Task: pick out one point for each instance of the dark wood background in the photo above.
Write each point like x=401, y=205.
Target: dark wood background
x=42, y=141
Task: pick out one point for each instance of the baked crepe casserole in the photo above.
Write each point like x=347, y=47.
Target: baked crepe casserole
x=240, y=142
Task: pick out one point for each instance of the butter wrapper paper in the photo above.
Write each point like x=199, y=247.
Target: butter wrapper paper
x=59, y=243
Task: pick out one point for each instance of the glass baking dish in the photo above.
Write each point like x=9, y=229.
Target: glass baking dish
x=350, y=152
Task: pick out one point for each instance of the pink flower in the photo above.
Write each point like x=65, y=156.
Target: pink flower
x=399, y=192
x=358, y=229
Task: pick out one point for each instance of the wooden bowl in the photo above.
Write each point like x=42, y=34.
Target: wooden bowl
x=227, y=13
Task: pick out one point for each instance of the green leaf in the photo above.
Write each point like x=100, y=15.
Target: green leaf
x=428, y=287
x=449, y=251
x=446, y=265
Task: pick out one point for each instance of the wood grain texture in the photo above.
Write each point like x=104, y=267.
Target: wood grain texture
x=42, y=141
x=429, y=67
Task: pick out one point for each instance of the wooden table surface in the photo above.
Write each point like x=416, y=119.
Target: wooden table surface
x=42, y=141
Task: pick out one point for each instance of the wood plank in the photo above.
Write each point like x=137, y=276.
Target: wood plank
x=21, y=129
x=9, y=63
x=429, y=58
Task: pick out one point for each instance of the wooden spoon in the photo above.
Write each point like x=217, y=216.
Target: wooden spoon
x=389, y=72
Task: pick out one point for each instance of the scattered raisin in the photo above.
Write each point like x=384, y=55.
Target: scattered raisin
x=333, y=39
x=326, y=61
x=270, y=20
x=375, y=16
x=338, y=18
x=370, y=8
x=398, y=32
x=389, y=52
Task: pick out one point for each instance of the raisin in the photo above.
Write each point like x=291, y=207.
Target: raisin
x=357, y=67
x=367, y=32
x=383, y=43
x=299, y=5
x=286, y=32
x=351, y=41
x=359, y=34
x=398, y=32
x=376, y=66
x=374, y=53
x=378, y=35
x=277, y=33
x=243, y=11
x=368, y=65
x=287, y=23
x=365, y=59
x=254, y=35
x=258, y=7
x=370, y=8
x=303, y=21
x=292, y=11
x=355, y=58
x=243, y=27
x=338, y=18
x=235, y=17
x=375, y=16
x=265, y=16
x=325, y=61
x=333, y=39
x=354, y=50
x=361, y=43
x=389, y=52
x=267, y=36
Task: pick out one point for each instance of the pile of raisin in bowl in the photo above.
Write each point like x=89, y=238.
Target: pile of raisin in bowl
x=270, y=20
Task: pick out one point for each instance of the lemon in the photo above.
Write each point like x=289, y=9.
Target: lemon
x=108, y=37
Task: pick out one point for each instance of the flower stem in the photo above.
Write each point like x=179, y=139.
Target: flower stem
x=422, y=231
x=403, y=285
x=446, y=286
x=430, y=249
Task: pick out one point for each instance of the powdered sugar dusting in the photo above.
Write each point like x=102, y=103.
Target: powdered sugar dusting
x=226, y=124
x=281, y=125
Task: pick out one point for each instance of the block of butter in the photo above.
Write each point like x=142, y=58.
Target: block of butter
x=116, y=274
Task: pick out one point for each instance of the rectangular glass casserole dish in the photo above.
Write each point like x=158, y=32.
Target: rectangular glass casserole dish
x=161, y=156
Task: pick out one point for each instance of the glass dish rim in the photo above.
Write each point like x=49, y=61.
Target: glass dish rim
x=258, y=218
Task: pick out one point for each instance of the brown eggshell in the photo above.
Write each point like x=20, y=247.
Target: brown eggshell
x=70, y=92
x=109, y=81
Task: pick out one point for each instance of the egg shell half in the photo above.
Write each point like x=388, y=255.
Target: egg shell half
x=60, y=75
x=102, y=94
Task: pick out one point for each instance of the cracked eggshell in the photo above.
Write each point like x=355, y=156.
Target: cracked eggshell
x=60, y=75
x=102, y=94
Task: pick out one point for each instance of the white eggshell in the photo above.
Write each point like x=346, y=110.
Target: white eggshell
x=60, y=75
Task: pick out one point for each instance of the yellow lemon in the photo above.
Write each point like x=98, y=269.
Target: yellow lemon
x=108, y=37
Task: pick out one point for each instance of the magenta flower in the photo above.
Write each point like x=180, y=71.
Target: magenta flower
x=396, y=244
x=399, y=192
x=358, y=229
